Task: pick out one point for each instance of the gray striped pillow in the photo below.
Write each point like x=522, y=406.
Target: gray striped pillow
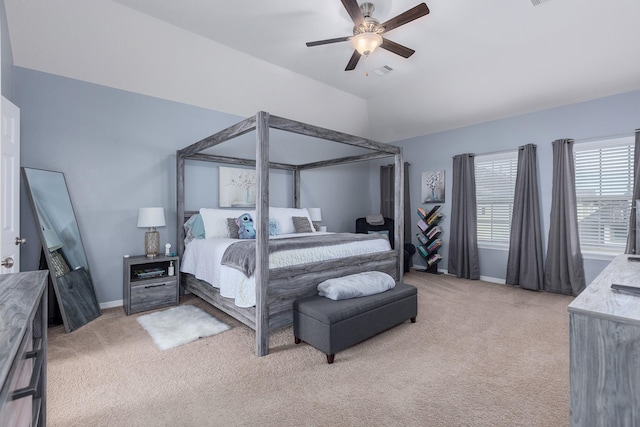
x=233, y=228
x=302, y=224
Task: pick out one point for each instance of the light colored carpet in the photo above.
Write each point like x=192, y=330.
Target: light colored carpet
x=180, y=325
x=480, y=354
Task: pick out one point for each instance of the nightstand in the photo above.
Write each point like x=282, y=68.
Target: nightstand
x=147, y=283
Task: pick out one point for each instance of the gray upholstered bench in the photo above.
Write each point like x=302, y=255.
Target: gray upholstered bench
x=331, y=326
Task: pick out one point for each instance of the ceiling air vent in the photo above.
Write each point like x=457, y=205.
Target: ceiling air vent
x=538, y=2
x=382, y=71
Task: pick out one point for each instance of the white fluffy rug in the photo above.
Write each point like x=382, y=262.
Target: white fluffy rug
x=180, y=325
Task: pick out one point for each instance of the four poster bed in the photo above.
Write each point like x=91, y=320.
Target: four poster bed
x=277, y=288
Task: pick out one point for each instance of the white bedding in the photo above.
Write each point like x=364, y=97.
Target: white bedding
x=202, y=259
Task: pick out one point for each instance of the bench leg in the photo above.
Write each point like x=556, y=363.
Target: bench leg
x=297, y=340
x=330, y=358
x=413, y=320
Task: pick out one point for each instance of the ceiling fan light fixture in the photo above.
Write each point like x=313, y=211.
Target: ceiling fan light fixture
x=365, y=43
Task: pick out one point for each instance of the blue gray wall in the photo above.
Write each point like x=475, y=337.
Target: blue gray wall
x=117, y=151
x=612, y=115
x=6, y=83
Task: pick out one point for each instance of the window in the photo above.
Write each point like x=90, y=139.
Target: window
x=495, y=188
x=604, y=187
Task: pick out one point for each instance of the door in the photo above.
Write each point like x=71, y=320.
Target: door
x=10, y=188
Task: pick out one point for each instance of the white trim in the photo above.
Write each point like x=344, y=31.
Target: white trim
x=483, y=278
x=494, y=246
x=499, y=155
x=493, y=280
x=112, y=304
x=594, y=144
x=599, y=255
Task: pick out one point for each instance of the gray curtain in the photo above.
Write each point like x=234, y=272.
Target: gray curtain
x=387, y=196
x=631, y=237
x=463, y=240
x=564, y=272
x=525, y=264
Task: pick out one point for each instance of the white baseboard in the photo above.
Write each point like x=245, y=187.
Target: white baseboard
x=112, y=304
x=493, y=280
x=483, y=278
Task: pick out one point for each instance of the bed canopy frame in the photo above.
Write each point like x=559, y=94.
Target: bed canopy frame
x=262, y=122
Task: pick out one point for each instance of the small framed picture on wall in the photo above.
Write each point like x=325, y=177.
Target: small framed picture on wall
x=433, y=187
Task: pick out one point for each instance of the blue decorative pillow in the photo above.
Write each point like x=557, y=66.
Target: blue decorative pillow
x=274, y=227
x=194, y=228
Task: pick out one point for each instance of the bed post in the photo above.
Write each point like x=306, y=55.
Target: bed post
x=399, y=213
x=180, y=207
x=262, y=234
x=296, y=188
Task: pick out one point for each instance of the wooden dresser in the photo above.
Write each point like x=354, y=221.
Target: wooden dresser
x=23, y=348
x=604, y=328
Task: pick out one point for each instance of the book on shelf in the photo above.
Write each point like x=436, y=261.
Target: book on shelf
x=433, y=246
x=147, y=273
x=432, y=211
x=433, y=219
x=433, y=259
x=422, y=213
x=422, y=225
x=435, y=231
x=422, y=239
x=423, y=251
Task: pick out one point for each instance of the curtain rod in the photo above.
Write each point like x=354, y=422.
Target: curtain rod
x=491, y=153
x=595, y=138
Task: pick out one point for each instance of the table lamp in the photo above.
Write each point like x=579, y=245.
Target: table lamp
x=151, y=218
x=316, y=216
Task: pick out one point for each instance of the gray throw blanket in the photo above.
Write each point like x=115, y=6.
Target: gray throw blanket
x=242, y=255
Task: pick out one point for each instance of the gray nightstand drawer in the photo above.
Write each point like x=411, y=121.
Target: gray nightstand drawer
x=153, y=295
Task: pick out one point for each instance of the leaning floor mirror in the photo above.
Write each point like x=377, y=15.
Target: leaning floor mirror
x=62, y=247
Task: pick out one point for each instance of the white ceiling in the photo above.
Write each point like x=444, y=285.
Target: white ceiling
x=475, y=61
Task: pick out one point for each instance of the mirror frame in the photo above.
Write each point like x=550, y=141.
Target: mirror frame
x=74, y=289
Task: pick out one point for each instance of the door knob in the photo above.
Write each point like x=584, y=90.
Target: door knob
x=7, y=262
x=20, y=241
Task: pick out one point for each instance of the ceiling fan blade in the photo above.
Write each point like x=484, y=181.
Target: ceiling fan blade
x=353, y=61
x=408, y=16
x=396, y=48
x=354, y=12
x=327, y=41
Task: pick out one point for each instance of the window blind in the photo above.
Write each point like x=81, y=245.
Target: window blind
x=495, y=187
x=604, y=188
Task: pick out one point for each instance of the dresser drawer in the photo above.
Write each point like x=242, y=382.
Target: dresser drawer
x=18, y=412
x=153, y=295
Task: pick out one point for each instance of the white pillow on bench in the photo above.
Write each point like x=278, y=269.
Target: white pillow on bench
x=356, y=285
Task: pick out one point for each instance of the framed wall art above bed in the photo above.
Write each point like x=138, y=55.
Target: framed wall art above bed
x=237, y=188
x=277, y=287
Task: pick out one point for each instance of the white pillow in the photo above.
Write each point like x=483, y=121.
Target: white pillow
x=215, y=221
x=284, y=216
x=356, y=285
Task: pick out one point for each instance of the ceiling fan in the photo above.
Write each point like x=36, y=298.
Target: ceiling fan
x=367, y=31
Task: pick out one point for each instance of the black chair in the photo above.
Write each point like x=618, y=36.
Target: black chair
x=363, y=227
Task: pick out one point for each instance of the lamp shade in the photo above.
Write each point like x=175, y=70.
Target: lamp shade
x=315, y=214
x=151, y=217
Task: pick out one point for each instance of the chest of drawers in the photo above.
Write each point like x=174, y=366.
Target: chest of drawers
x=23, y=353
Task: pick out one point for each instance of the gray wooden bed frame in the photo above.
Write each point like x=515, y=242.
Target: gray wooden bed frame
x=276, y=289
